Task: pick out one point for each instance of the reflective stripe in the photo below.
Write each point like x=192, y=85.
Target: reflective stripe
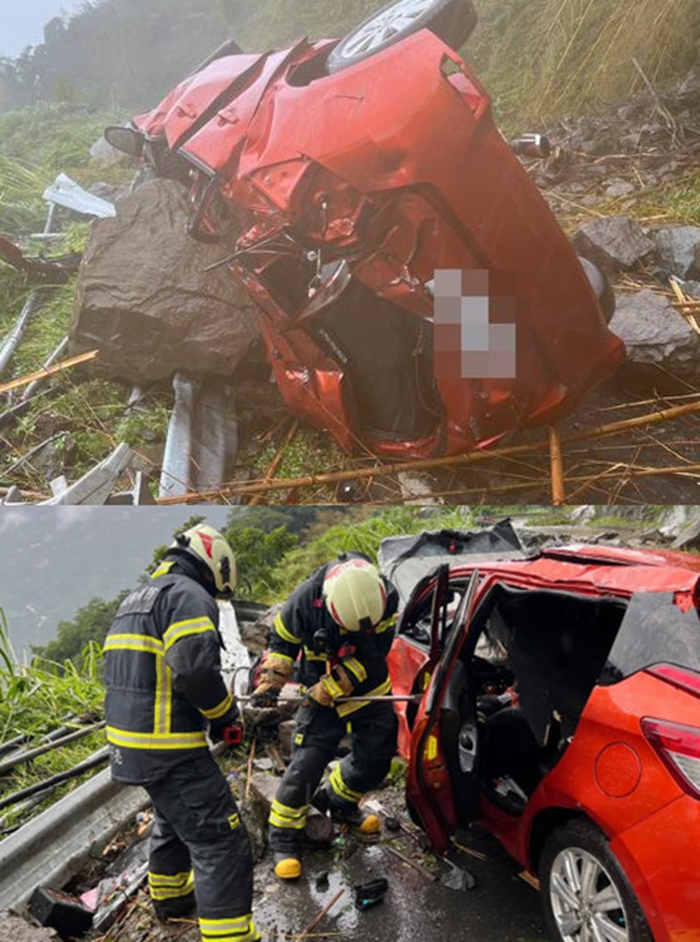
x=117, y=642
x=190, y=626
x=163, y=887
x=219, y=710
x=345, y=708
x=282, y=816
x=357, y=668
x=387, y=623
x=238, y=929
x=282, y=657
x=162, y=704
x=311, y=656
x=283, y=632
x=164, y=568
x=341, y=789
x=130, y=740
x=332, y=686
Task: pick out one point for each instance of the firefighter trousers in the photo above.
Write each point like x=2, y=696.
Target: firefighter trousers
x=200, y=843
x=316, y=736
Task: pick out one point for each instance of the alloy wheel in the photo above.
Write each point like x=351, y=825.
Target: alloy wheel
x=384, y=26
x=586, y=903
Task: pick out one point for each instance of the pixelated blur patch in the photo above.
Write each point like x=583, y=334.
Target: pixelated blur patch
x=475, y=329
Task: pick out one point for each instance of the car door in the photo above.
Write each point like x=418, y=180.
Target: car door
x=442, y=787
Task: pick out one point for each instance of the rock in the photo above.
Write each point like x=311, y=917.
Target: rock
x=285, y=731
x=256, y=635
x=679, y=250
x=263, y=788
x=254, y=816
x=615, y=243
x=688, y=538
x=619, y=188
x=145, y=300
x=657, y=335
x=417, y=487
x=583, y=514
x=105, y=155
x=16, y=929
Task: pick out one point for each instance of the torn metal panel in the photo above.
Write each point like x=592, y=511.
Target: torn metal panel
x=67, y=193
x=139, y=495
x=202, y=438
x=52, y=848
x=96, y=486
x=235, y=659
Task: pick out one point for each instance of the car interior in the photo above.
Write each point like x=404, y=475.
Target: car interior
x=515, y=696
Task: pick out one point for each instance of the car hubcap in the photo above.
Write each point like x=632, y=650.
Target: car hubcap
x=586, y=903
x=384, y=27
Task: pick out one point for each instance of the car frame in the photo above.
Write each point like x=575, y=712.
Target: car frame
x=612, y=798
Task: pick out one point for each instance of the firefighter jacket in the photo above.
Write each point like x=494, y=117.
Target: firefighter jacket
x=163, y=675
x=305, y=627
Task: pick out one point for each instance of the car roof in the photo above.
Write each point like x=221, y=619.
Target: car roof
x=609, y=568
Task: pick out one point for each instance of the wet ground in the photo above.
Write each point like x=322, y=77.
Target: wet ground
x=501, y=908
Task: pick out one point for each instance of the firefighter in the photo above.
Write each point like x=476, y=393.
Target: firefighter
x=341, y=623
x=164, y=687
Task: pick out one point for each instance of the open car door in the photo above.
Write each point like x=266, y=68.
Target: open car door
x=442, y=787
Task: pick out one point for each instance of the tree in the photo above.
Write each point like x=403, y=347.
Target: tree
x=91, y=623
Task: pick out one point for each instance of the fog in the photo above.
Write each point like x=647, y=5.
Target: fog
x=22, y=24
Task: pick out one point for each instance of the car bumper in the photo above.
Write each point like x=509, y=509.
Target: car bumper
x=661, y=856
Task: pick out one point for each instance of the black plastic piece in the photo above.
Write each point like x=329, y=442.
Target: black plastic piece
x=61, y=912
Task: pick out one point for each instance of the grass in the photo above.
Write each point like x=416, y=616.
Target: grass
x=37, y=698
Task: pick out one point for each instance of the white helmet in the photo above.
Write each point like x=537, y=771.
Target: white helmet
x=209, y=547
x=354, y=594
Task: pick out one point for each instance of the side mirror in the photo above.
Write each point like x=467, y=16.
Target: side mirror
x=126, y=140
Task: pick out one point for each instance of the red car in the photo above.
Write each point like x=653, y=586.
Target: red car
x=341, y=176
x=562, y=713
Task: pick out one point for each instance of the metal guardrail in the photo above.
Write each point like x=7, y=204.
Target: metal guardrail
x=52, y=848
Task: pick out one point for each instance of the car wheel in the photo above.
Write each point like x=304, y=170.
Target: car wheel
x=452, y=20
x=602, y=287
x=585, y=893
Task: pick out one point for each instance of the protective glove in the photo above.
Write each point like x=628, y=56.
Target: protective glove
x=220, y=730
x=274, y=675
x=330, y=688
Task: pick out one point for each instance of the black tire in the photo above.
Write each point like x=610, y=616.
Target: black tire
x=601, y=286
x=452, y=20
x=582, y=836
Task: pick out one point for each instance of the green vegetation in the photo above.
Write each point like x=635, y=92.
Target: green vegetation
x=34, y=700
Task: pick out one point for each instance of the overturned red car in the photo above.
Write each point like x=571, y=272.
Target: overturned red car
x=415, y=293
x=560, y=709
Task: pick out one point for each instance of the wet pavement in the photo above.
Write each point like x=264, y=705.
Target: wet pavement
x=502, y=907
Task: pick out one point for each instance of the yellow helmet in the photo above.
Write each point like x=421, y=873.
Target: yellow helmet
x=211, y=548
x=354, y=594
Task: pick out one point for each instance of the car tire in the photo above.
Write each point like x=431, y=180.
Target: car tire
x=602, y=287
x=579, y=848
x=452, y=20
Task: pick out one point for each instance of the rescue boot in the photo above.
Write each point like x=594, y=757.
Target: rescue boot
x=352, y=816
x=176, y=908
x=287, y=865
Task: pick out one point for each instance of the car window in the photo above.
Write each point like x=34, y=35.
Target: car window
x=654, y=630
x=415, y=623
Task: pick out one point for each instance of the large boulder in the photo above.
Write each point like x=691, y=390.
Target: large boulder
x=616, y=243
x=679, y=250
x=656, y=335
x=145, y=300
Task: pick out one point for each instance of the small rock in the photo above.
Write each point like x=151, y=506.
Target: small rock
x=15, y=929
x=107, y=156
x=657, y=335
x=619, y=188
x=616, y=243
x=679, y=250
x=256, y=636
x=285, y=732
x=688, y=538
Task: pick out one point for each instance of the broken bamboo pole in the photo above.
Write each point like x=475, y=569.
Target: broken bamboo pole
x=99, y=758
x=49, y=371
x=556, y=467
x=277, y=460
x=29, y=754
x=246, y=488
x=314, y=922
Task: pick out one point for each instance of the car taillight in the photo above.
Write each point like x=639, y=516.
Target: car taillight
x=678, y=747
x=680, y=677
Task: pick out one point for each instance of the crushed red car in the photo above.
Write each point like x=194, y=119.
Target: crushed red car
x=344, y=179
x=561, y=711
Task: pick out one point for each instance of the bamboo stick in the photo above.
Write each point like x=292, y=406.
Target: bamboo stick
x=556, y=467
x=314, y=922
x=49, y=371
x=279, y=455
x=244, y=488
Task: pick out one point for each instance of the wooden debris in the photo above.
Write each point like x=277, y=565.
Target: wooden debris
x=556, y=467
x=687, y=308
x=314, y=922
x=412, y=863
x=249, y=774
x=49, y=371
x=469, y=851
x=279, y=455
x=529, y=879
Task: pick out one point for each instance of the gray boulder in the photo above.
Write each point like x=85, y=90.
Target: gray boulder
x=617, y=243
x=145, y=300
x=679, y=250
x=657, y=335
x=105, y=155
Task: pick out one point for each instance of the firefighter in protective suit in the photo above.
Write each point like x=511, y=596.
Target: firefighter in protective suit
x=341, y=622
x=164, y=686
